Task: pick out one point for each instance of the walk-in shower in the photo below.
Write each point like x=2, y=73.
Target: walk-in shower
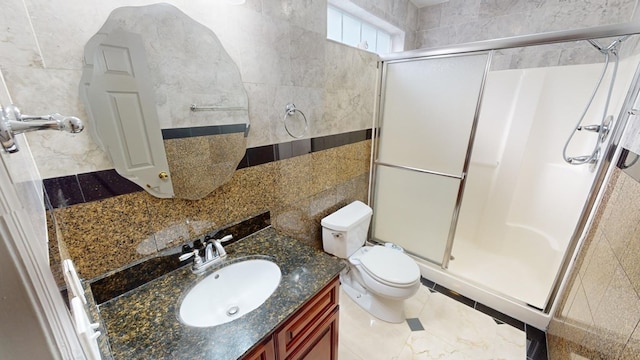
x=469, y=170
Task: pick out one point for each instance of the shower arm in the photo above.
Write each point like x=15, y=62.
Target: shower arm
x=12, y=122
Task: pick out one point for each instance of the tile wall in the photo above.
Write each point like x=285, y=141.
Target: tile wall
x=281, y=50
x=599, y=315
x=106, y=223
x=461, y=21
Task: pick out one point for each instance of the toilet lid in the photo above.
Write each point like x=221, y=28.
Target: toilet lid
x=390, y=266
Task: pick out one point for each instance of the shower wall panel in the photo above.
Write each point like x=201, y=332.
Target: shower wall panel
x=517, y=177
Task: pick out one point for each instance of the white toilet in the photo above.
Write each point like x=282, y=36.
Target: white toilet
x=379, y=278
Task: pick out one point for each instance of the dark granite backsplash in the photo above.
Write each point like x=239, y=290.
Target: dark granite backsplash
x=124, y=280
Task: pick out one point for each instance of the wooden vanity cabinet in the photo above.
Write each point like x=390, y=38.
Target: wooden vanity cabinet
x=310, y=334
x=264, y=351
x=313, y=330
x=322, y=343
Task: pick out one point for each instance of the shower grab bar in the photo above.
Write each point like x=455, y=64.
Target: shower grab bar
x=410, y=168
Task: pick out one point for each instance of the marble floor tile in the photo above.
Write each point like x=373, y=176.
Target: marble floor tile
x=458, y=324
x=366, y=336
x=414, y=305
x=452, y=331
x=510, y=343
x=422, y=345
x=344, y=352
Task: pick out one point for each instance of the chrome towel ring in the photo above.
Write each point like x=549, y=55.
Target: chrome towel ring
x=290, y=110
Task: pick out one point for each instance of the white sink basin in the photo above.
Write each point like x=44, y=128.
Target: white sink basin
x=229, y=293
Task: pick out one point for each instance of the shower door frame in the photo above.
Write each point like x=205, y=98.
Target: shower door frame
x=465, y=167
x=602, y=170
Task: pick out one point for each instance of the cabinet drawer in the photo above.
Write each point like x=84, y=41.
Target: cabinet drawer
x=302, y=324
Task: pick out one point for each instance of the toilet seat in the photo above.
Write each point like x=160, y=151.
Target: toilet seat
x=390, y=267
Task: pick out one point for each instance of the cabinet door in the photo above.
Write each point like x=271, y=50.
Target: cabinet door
x=298, y=329
x=322, y=344
x=264, y=351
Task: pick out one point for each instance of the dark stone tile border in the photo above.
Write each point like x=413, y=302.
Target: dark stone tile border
x=500, y=316
x=536, y=344
x=179, y=133
x=98, y=185
x=268, y=153
x=62, y=192
x=454, y=295
x=428, y=283
x=76, y=189
x=104, y=184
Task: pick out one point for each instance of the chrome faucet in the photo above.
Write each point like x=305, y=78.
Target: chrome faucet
x=211, y=256
x=218, y=245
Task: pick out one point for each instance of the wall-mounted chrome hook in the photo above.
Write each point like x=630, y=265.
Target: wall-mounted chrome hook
x=13, y=122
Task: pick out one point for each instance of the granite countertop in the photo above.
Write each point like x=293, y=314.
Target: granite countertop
x=143, y=323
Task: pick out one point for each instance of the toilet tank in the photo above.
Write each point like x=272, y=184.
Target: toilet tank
x=345, y=231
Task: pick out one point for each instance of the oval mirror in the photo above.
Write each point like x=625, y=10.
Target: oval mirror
x=165, y=101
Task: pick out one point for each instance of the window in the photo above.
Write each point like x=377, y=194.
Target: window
x=350, y=30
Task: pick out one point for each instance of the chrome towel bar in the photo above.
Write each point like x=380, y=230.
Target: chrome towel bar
x=195, y=108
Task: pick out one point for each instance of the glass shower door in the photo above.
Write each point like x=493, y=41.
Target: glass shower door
x=428, y=113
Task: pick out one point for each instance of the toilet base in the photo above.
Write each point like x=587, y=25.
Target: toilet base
x=388, y=310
